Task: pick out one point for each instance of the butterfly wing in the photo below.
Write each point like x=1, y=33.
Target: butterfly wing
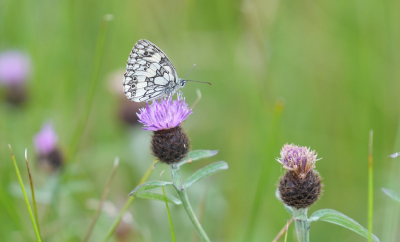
x=149, y=73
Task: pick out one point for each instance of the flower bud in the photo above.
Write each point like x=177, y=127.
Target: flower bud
x=301, y=185
x=49, y=156
x=14, y=71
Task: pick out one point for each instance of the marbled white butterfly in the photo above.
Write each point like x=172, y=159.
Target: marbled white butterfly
x=150, y=74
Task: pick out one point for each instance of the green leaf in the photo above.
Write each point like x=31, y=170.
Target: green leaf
x=196, y=155
x=335, y=217
x=288, y=209
x=158, y=197
x=392, y=194
x=149, y=185
x=205, y=172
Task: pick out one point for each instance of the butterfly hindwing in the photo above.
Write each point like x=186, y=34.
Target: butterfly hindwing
x=149, y=73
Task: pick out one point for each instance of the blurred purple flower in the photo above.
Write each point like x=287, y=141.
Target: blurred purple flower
x=15, y=67
x=164, y=114
x=298, y=159
x=45, y=141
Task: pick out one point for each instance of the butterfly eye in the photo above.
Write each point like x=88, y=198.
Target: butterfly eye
x=183, y=83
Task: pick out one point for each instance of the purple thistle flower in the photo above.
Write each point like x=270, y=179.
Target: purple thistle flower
x=45, y=141
x=298, y=159
x=15, y=67
x=164, y=114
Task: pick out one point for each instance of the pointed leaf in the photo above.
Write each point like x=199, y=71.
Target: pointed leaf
x=335, y=217
x=392, y=194
x=288, y=209
x=159, y=197
x=205, y=172
x=395, y=155
x=196, y=155
x=149, y=185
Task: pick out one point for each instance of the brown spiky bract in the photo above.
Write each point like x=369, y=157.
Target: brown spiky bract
x=170, y=145
x=15, y=95
x=300, y=192
x=51, y=162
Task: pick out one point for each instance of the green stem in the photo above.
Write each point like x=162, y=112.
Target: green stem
x=302, y=224
x=32, y=191
x=370, y=187
x=169, y=217
x=180, y=188
x=25, y=197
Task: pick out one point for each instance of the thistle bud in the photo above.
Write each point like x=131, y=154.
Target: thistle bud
x=49, y=156
x=301, y=185
x=169, y=141
x=14, y=71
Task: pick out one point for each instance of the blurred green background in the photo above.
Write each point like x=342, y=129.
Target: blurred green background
x=335, y=64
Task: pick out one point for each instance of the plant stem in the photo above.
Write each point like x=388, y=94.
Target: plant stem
x=32, y=191
x=169, y=217
x=127, y=204
x=180, y=188
x=370, y=187
x=283, y=231
x=25, y=196
x=302, y=224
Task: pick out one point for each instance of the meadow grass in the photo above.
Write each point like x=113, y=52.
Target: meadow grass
x=333, y=63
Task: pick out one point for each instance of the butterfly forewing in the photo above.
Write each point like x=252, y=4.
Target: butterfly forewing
x=149, y=73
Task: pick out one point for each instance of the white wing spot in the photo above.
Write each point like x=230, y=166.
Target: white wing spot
x=160, y=81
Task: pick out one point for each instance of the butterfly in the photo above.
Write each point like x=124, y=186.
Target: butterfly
x=150, y=74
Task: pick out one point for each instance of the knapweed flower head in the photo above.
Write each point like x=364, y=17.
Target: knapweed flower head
x=46, y=140
x=164, y=113
x=299, y=159
x=15, y=68
x=300, y=186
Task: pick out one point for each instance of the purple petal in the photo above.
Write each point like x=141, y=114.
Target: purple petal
x=14, y=67
x=164, y=113
x=46, y=140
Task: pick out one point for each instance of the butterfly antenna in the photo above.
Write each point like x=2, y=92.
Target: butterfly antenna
x=198, y=81
x=190, y=71
x=191, y=80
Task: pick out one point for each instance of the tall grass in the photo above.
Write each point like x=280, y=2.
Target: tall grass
x=335, y=63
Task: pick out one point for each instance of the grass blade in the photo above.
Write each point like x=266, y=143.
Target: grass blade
x=392, y=194
x=283, y=231
x=94, y=80
x=169, y=217
x=258, y=197
x=370, y=187
x=32, y=191
x=103, y=198
x=25, y=196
